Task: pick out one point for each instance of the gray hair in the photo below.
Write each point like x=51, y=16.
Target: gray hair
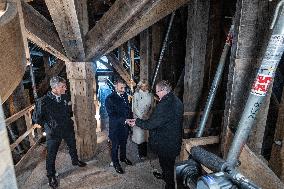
x=165, y=85
x=54, y=81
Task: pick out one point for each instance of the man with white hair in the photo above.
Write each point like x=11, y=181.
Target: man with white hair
x=54, y=111
x=165, y=129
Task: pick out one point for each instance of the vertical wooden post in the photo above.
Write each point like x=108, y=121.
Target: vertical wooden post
x=156, y=45
x=28, y=118
x=145, y=55
x=80, y=75
x=197, y=26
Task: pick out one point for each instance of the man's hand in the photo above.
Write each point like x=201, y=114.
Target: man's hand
x=130, y=122
x=37, y=126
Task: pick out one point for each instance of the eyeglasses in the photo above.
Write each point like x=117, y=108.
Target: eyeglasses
x=159, y=91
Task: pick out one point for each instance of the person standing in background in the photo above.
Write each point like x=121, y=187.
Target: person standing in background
x=143, y=103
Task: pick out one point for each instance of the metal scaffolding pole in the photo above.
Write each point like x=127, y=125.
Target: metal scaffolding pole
x=262, y=82
x=33, y=81
x=215, y=84
x=163, y=50
x=7, y=172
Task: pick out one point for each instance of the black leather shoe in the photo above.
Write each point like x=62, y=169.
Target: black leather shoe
x=158, y=175
x=118, y=169
x=126, y=161
x=79, y=163
x=52, y=182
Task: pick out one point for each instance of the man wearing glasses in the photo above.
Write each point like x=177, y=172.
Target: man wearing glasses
x=165, y=129
x=53, y=111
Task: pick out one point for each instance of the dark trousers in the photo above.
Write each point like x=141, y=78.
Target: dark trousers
x=52, y=149
x=118, y=144
x=142, y=149
x=167, y=164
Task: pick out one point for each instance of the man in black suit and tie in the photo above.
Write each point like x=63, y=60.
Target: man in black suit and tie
x=119, y=111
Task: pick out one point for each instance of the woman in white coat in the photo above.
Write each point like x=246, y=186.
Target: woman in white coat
x=143, y=103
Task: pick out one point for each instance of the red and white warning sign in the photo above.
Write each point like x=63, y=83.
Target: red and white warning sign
x=261, y=84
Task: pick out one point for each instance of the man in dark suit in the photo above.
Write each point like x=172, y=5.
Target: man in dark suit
x=165, y=129
x=119, y=111
x=53, y=111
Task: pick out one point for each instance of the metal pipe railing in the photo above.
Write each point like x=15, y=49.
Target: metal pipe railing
x=214, y=86
x=163, y=50
x=263, y=80
x=7, y=172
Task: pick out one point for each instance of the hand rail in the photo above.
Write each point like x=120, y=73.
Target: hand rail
x=22, y=137
x=16, y=116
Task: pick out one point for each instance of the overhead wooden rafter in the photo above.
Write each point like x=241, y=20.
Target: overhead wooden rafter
x=119, y=69
x=105, y=64
x=159, y=11
x=124, y=20
x=42, y=32
x=65, y=19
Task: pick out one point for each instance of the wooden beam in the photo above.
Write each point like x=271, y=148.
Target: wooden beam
x=258, y=171
x=119, y=69
x=157, y=38
x=16, y=116
x=29, y=124
x=65, y=19
x=41, y=32
x=115, y=22
x=250, y=31
x=22, y=137
x=125, y=20
x=187, y=144
x=82, y=15
x=105, y=64
x=145, y=55
x=30, y=154
x=277, y=152
x=180, y=83
x=195, y=61
x=12, y=51
x=17, y=102
x=81, y=79
x=251, y=164
x=156, y=13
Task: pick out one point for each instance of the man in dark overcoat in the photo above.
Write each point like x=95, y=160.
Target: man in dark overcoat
x=119, y=111
x=53, y=111
x=165, y=129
